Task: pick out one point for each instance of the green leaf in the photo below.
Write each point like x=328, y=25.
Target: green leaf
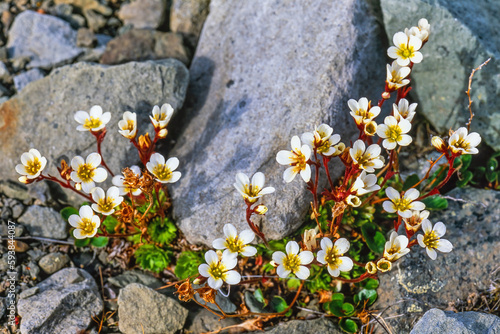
x=492, y=164
x=463, y=162
x=152, y=257
x=374, y=238
x=335, y=306
x=491, y=176
x=260, y=297
x=410, y=181
x=348, y=325
x=99, y=241
x=82, y=242
x=347, y=309
x=366, y=294
x=466, y=178
x=279, y=305
x=187, y=264
x=253, y=304
x=110, y=223
x=371, y=284
x=162, y=231
x=67, y=212
x=293, y=283
x=435, y=202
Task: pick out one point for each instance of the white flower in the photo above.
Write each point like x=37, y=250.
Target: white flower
x=353, y=201
x=365, y=183
x=462, y=143
x=94, y=120
x=162, y=116
x=124, y=190
x=87, y=172
x=106, y=203
x=384, y=265
x=235, y=243
x=366, y=158
x=396, y=75
x=297, y=159
x=219, y=271
x=405, y=49
x=404, y=110
x=322, y=140
x=252, y=191
x=396, y=247
x=292, y=262
x=394, y=132
x=402, y=205
x=417, y=217
x=331, y=255
x=431, y=240
x=32, y=164
x=164, y=172
x=86, y=223
x=309, y=238
x=439, y=144
x=361, y=111
x=128, y=125
x=422, y=31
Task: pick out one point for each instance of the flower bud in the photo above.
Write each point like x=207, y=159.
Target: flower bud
x=386, y=95
x=371, y=268
x=145, y=142
x=261, y=209
x=353, y=201
x=371, y=128
x=439, y=144
x=339, y=149
x=196, y=281
x=162, y=133
x=384, y=265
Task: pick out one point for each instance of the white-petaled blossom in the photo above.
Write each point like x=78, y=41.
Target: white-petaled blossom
x=394, y=132
x=353, y=201
x=162, y=116
x=422, y=31
x=396, y=76
x=462, y=143
x=87, y=172
x=404, y=110
x=322, y=140
x=163, y=171
x=125, y=190
x=85, y=223
x=439, y=144
x=402, y=205
x=331, y=255
x=297, y=158
x=361, y=111
x=366, y=158
x=219, y=271
x=309, y=238
x=94, y=120
x=431, y=239
x=293, y=261
x=365, y=183
x=252, y=191
x=384, y=265
x=405, y=49
x=128, y=125
x=417, y=217
x=105, y=203
x=396, y=247
x=31, y=166
x=234, y=243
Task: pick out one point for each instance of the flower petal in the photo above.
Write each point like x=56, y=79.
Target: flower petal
x=232, y=277
x=219, y=243
x=346, y=263
x=258, y=180
x=278, y=257
x=444, y=246
x=230, y=231
x=306, y=257
x=211, y=257
x=432, y=253
x=292, y=247
x=203, y=270
x=289, y=174
x=303, y=273
x=282, y=272
x=215, y=283
x=93, y=160
x=249, y=251
x=326, y=243
x=440, y=229
x=247, y=236
x=342, y=245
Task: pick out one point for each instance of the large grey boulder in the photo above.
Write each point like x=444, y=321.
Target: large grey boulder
x=49, y=41
x=263, y=72
x=463, y=35
x=64, y=303
x=42, y=115
x=187, y=17
x=416, y=283
x=436, y=321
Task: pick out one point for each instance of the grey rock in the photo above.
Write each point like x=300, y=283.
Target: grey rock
x=19, y=63
x=85, y=38
x=4, y=92
x=95, y=21
x=205, y=321
x=135, y=276
x=85, y=5
x=417, y=283
x=29, y=292
x=224, y=303
x=144, y=14
x=23, y=79
x=33, y=269
x=4, y=72
x=462, y=37
x=48, y=40
x=13, y=189
x=171, y=45
x=436, y=321
x=36, y=254
x=3, y=53
x=17, y=210
x=45, y=222
x=2, y=308
x=260, y=77
x=321, y=325
x=95, y=54
x=64, y=303
x=187, y=17
x=53, y=262
x=143, y=310
x=55, y=99
x=4, y=265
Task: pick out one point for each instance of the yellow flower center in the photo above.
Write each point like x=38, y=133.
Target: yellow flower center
x=160, y=117
x=87, y=226
x=217, y=270
x=33, y=166
x=332, y=258
x=130, y=125
x=85, y=173
x=162, y=172
x=252, y=191
x=405, y=51
x=106, y=204
x=431, y=239
x=235, y=245
x=393, y=250
x=402, y=204
x=300, y=161
x=92, y=123
x=291, y=262
x=393, y=133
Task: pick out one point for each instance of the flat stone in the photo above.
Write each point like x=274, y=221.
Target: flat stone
x=436, y=321
x=4, y=72
x=321, y=325
x=462, y=37
x=144, y=14
x=53, y=262
x=85, y=5
x=85, y=38
x=206, y=321
x=143, y=310
x=258, y=78
x=171, y=45
x=23, y=79
x=45, y=222
x=64, y=303
x=136, y=87
x=416, y=283
x=48, y=40
x=135, y=276
x=13, y=189
x=187, y=17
